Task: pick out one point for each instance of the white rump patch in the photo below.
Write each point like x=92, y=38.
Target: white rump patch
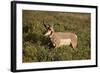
x=76, y=36
x=65, y=41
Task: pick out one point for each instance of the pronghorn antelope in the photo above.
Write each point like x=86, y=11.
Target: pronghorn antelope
x=61, y=38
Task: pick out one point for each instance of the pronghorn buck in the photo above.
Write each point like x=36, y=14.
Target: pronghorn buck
x=61, y=38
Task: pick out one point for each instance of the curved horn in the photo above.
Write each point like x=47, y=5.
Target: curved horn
x=46, y=25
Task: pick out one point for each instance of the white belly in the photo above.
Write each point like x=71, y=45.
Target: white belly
x=65, y=41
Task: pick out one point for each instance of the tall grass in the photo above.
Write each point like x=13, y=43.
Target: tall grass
x=35, y=45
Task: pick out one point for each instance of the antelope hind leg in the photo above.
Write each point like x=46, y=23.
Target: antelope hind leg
x=74, y=43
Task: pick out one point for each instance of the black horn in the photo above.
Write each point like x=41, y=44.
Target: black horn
x=46, y=25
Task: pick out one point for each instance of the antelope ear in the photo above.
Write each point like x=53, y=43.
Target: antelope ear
x=51, y=28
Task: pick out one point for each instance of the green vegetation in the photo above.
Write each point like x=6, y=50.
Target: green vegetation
x=35, y=45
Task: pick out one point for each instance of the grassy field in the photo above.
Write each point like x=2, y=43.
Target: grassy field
x=35, y=45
